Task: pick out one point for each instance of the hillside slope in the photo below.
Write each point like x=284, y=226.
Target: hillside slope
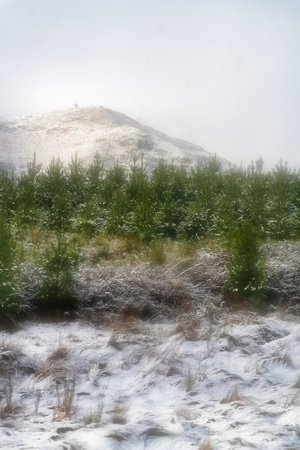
x=86, y=131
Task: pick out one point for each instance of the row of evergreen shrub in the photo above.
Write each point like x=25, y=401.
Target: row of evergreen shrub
x=171, y=202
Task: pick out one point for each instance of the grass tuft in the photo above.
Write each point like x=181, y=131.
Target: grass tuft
x=10, y=407
x=233, y=395
x=118, y=412
x=58, y=354
x=190, y=380
x=206, y=444
x=65, y=392
x=94, y=416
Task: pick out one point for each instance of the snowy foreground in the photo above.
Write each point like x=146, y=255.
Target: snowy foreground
x=137, y=385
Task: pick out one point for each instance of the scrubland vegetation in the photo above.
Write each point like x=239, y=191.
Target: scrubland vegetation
x=183, y=293
x=57, y=224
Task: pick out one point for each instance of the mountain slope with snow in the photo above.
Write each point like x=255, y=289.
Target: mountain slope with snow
x=86, y=131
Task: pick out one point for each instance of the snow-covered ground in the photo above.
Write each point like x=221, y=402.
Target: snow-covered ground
x=196, y=373
x=142, y=385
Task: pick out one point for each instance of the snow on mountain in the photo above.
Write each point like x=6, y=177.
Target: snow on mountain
x=86, y=131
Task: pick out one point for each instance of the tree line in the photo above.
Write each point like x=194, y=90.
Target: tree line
x=171, y=202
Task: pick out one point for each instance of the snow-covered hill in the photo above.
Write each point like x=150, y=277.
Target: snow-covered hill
x=86, y=131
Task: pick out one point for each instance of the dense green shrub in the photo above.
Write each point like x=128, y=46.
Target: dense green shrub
x=246, y=266
x=95, y=175
x=281, y=203
x=60, y=212
x=26, y=211
x=137, y=186
x=228, y=208
x=196, y=222
x=50, y=183
x=116, y=213
x=76, y=179
x=141, y=221
x=87, y=218
x=8, y=193
x=254, y=197
x=114, y=181
x=59, y=261
x=8, y=277
x=169, y=216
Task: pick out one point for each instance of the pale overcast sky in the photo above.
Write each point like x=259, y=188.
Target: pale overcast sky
x=223, y=74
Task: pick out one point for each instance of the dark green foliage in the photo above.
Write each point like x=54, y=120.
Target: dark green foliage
x=26, y=211
x=281, y=205
x=160, y=181
x=59, y=215
x=8, y=193
x=169, y=217
x=170, y=181
x=114, y=181
x=88, y=218
x=141, y=220
x=228, y=209
x=54, y=193
x=196, y=221
x=141, y=210
x=246, y=267
x=116, y=213
x=254, y=197
x=76, y=181
x=95, y=175
x=8, y=280
x=137, y=186
x=207, y=187
x=58, y=264
x=51, y=183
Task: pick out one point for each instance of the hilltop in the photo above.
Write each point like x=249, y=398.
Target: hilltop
x=86, y=131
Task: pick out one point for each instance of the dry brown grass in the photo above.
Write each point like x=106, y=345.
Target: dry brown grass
x=124, y=329
x=94, y=416
x=65, y=392
x=190, y=380
x=59, y=353
x=113, y=250
x=51, y=372
x=233, y=395
x=142, y=292
x=119, y=412
x=126, y=324
x=55, y=367
x=157, y=253
x=297, y=383
x=232, y=317
x=206, y=444
x=188, y=326
x=9, y=407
